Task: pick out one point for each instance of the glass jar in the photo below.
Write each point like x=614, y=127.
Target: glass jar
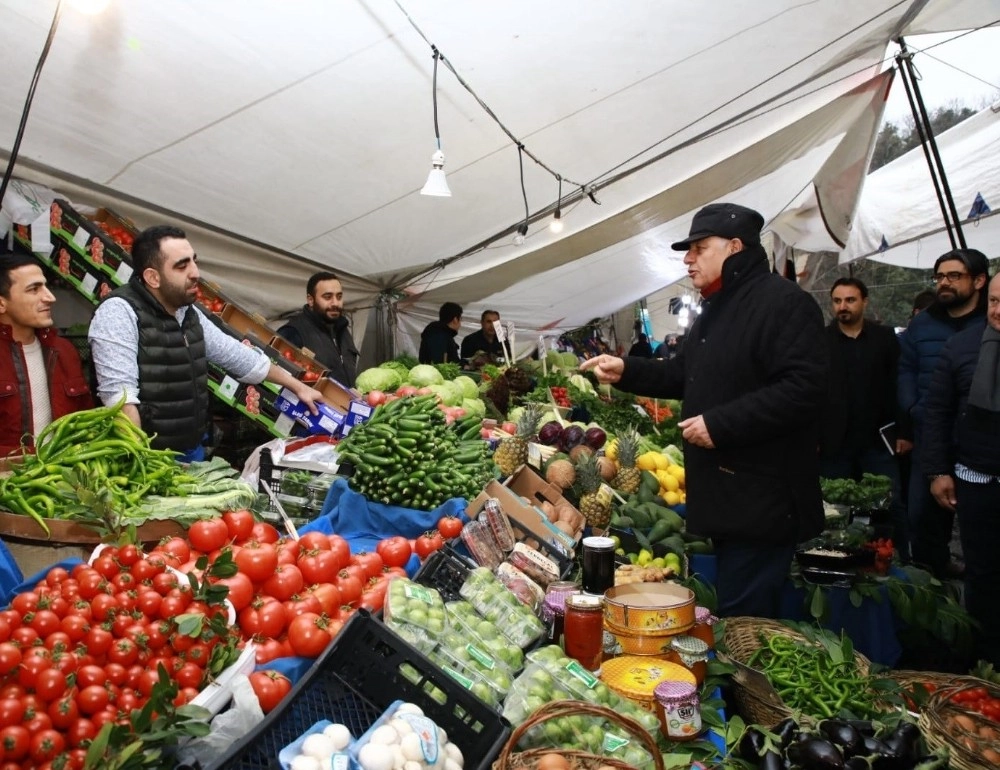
x=704, y=622
x=553, y=614
x=692, y=654
x=679, y=710
x=598, y=564
x=583, y=630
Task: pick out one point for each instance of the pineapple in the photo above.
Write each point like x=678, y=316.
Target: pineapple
x=513, y=452
x=594, y=505
x=628, y=477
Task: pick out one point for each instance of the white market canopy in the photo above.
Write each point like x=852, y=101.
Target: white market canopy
x=290, y=135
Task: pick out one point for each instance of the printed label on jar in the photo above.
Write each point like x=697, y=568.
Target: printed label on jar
x=588, y=679
x=683, y=720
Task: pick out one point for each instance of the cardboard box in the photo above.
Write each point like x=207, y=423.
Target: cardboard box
x=327, y=420
x=88, y=238
x=311, y=368
x=337, y=395
x=358, y=413
x=528, y=520
x=245, y=324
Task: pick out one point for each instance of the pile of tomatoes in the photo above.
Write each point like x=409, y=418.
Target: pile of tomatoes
x=118, y=234
x=980, y=700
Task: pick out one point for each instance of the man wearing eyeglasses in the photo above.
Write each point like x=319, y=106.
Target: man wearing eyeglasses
x=960, y=277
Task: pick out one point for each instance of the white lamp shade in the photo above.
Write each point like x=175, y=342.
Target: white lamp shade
x=437, y=184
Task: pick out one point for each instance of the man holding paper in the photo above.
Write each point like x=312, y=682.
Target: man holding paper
x=859, y=423
x=485, y=341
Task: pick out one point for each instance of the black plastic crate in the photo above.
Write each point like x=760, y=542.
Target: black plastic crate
x=446, y=571
x=358, y=677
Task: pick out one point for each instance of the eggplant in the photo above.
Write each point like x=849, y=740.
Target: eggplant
x=772, y=760
x=841, y=734
x=550, y=433
x=872, y=745
x=785, y=730
x=751, y=746
x=904, y=742
x=857, y=763
x=816, y=754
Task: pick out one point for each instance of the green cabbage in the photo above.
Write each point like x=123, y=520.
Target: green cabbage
x=378, y=378
x=397, y=366
x=449, y=393
x=468, y=385
x=423, y=375
x=474, y=406
x=582, y=383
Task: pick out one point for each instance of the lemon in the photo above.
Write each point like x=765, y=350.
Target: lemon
x=668, y=482
x=662, y=462
x=684, y=497
x=677, y=472
x=647, y=461
x=611, y=449
x=671, y=498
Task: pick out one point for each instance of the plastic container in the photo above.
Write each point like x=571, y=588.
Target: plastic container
x=636, y=678
x=416, y=612
x=360, y=674
x=527, y=591
x=478, y=539
x=679, y=710
x=444, y=571
x=463, y=619
x=536, y=565
x=493, y=601
x=499, y=525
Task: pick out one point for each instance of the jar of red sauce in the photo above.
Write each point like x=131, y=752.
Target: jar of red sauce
x=583, y=630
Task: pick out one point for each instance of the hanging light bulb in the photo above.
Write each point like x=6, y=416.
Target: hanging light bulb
x=522, y=231
x=436, y=184
x=556, y=225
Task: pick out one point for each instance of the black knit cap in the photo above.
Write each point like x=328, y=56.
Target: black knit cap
x=726, y=220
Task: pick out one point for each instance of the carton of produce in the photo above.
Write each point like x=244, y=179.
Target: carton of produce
x=326, y=420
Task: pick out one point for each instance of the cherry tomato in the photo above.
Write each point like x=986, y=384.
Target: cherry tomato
x=177, y=547
x=15, y=741
x=10, y=657
x=92, y=698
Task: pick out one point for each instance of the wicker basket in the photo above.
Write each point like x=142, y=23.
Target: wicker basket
x=934, y=725
x=911, y=682
x=757, y=703
x=508, y=759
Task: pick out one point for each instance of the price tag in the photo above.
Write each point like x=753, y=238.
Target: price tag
x=501, y=332
x=534, y=456
x=124, y=272
x=41, y=240
x=227, y=388
x=283, y=424
x=89, y=283
x=80, y=237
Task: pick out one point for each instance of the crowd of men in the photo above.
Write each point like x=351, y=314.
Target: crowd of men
x=771, y=400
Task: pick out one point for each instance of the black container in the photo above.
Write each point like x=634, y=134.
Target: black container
x=598, y=564
x=446, y=571
x=364, y=670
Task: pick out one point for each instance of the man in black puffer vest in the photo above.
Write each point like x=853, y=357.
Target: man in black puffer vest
x=152, y=346
x=322, y=328
x=752, y=374
x=961, y=460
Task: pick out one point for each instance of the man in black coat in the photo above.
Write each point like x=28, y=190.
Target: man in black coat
x=437, y=340
x=752, y=375
x=322, y=328
x=961, y=460
x=860, y=422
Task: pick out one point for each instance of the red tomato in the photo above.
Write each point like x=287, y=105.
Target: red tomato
x=318, y=566
x=208, y=534
x=64, y=712
x=10, y=657
x=341, y=549
x=449, y=527
x=394, y=551
x=264, y=532
x=300, y=605
x=92, y=699
x=308, y=635
x=328, y=596
x=371, y=563
x=428, y=543
x=16, y=742
x=240, y=590
x=176, y=547
x=268, y=650
x=81, y=730
x=270, y=688
x=50, y=684
x=314, y=541
x=240, y=524
x=11, y=711
x=349, y=586
x=257, y=560
x=264, y=617
x=189, y=675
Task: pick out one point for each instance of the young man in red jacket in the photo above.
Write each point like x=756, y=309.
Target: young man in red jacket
x=41, y=378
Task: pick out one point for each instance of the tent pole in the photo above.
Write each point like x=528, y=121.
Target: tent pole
x=904, y=61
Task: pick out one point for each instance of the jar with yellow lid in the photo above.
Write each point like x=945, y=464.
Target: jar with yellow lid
x=690, y=653
x=635, y=677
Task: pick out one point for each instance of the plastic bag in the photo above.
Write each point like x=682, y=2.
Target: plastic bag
x=228, y=728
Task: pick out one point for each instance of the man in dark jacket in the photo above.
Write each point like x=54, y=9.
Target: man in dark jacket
x=484, y=345
x=752, y=375
x=322, y=328
x=437, y=340
x=42, y=379
x=864, y=357
x=961, y=460
x=961, y=277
